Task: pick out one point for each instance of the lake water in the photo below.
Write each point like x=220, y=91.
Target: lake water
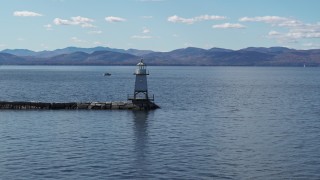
x=214, y=123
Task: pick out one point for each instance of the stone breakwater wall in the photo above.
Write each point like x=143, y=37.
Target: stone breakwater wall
x=122, y=105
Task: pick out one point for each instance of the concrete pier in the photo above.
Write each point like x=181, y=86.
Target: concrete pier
x=122, y=105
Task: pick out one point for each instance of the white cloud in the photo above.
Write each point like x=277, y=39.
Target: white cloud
x=77, y=40
x=58, y=21
x=114, y=19
x=145, y=30
x=177, y=19
x=303, y=33
x=78, y=20
x=274, y=20
x=300, y=32
x=95, y=32
x=228, y=26
x=274, y=33
x=311, y=45
x=48, y=27
x=87, y=25
x=83, y=21
x=295, y=34
x=293, y=30
x=97, y=43
x=2, y=45
x=207, y=17
x=26, y=14
x=265, y=19
x=187, y=44
x=147, y=17
x=140, y=37
x=290, y=23
x=308, y=44
x=144, y=35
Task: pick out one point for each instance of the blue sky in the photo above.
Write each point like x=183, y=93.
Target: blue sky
x=160, y=25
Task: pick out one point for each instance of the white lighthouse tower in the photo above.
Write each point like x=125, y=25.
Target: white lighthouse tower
x=141, y=96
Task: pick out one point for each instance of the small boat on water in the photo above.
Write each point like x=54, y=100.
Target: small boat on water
x=107, y=74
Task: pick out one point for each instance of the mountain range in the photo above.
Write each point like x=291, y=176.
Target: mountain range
x=191, y=56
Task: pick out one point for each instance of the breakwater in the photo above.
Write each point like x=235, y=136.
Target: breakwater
x=121, y=105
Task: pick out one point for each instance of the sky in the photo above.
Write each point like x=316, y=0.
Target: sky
x=159, y=25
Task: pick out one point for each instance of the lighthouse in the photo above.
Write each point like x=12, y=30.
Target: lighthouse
x=141, y=97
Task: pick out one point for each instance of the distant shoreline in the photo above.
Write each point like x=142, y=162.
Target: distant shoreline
x=191, y=56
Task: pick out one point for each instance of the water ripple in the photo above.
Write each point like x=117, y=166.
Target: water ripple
x=214, y=123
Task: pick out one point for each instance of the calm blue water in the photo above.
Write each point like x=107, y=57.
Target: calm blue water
x=215, y=123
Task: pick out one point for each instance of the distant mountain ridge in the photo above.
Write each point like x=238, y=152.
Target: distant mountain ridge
x=191, y=56
x=69, y=50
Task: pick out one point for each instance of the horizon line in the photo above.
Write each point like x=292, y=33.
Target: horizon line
x=156, y=50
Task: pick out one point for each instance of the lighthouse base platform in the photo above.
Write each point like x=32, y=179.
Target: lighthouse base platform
x=119, y=105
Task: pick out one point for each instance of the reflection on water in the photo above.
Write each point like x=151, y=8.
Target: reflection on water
x=140, y=119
